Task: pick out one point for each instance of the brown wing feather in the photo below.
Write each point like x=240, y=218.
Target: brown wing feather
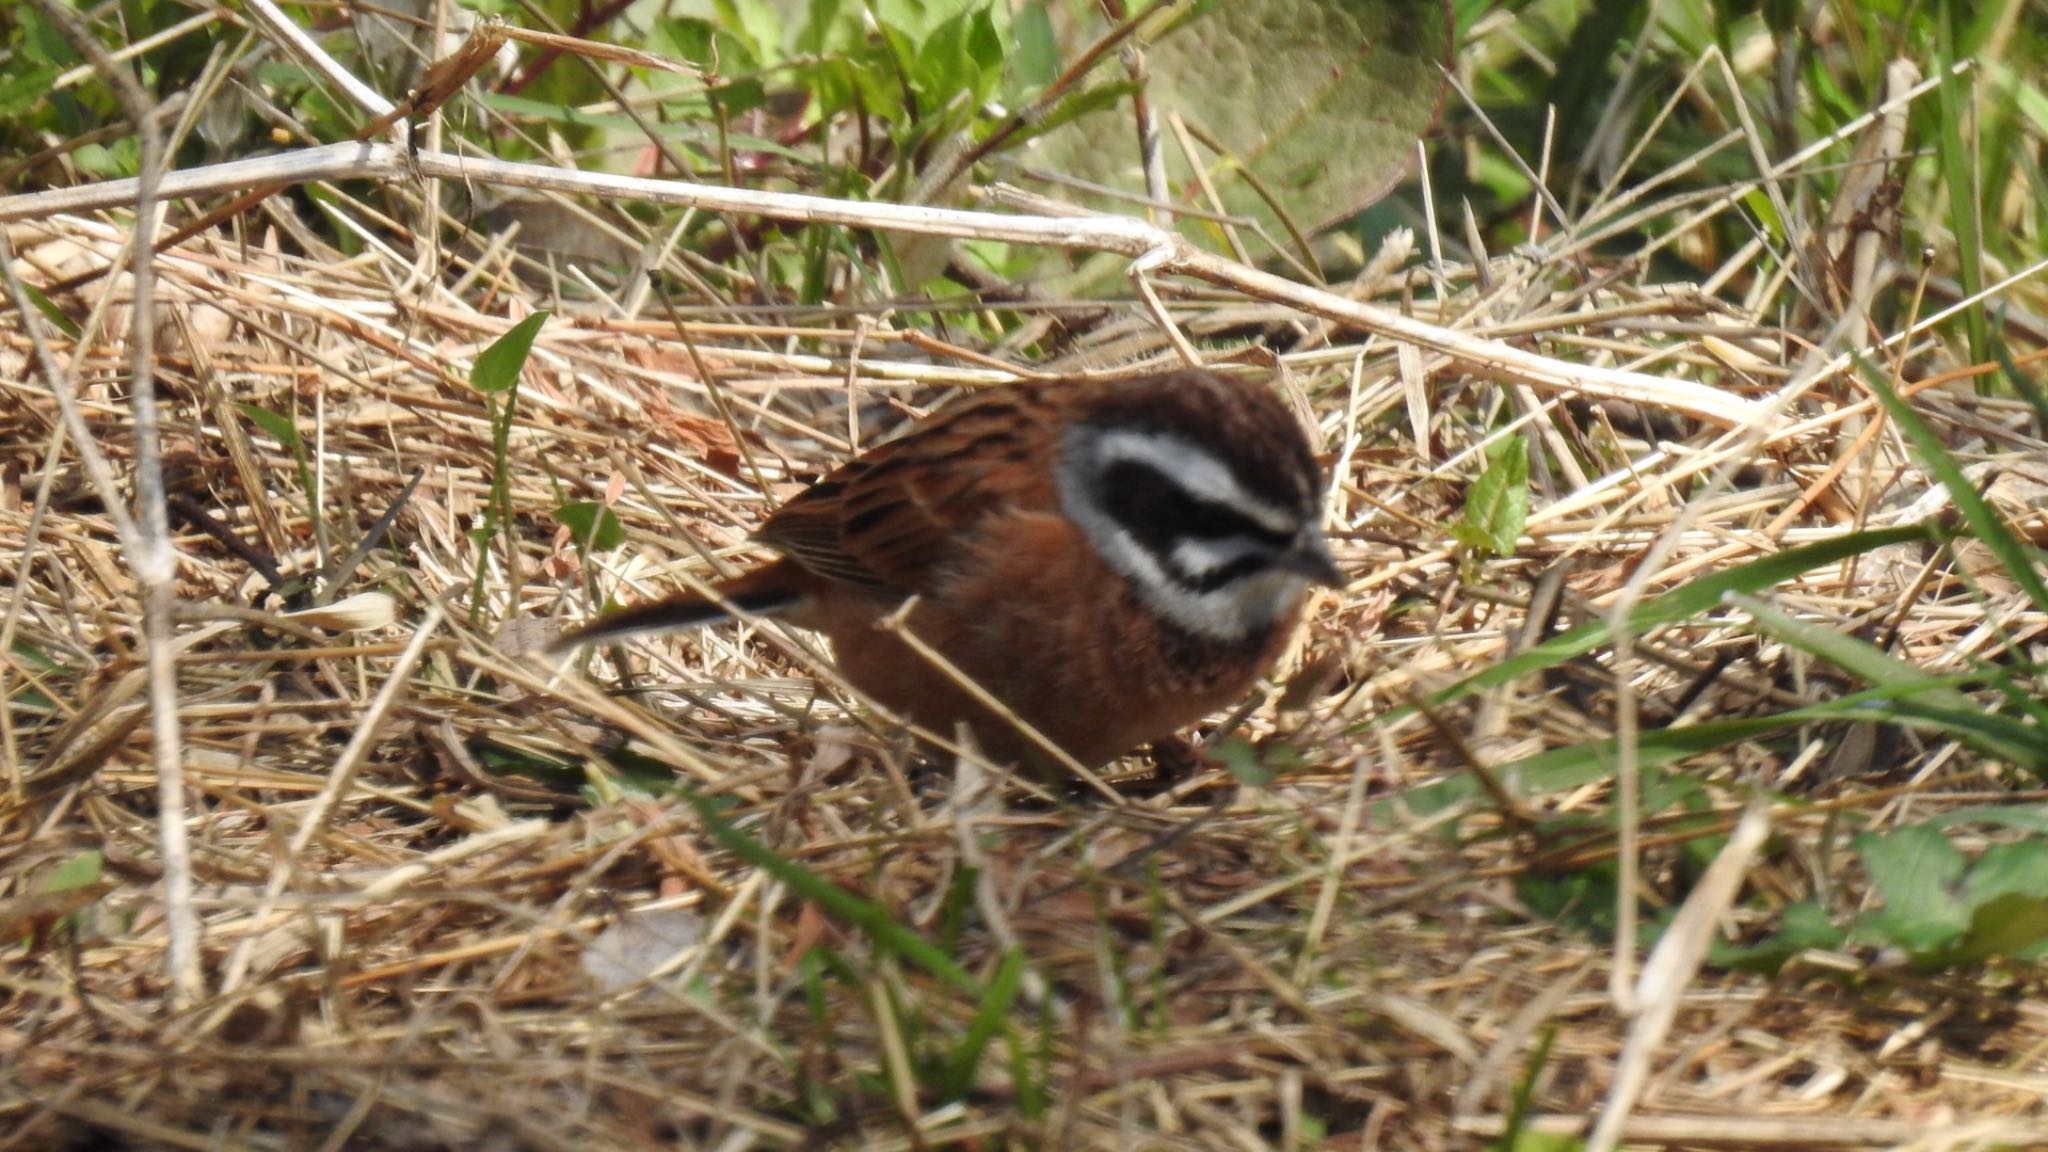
x=889, y=519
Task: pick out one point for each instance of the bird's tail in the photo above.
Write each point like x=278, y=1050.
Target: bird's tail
x=747, y=595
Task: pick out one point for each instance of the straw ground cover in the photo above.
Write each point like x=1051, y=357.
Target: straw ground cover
x=694, y=894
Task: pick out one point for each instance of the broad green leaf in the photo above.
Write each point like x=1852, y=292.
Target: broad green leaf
x=1800, y=926
x=2019, y=868
x=21, y=91
x=593, y=524
x=1037, y=57
x=78, y=872
x=1918, y=873
x=2013, y=926
x=1318, y=102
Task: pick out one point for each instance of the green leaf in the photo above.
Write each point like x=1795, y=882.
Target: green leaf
x=954, y=63
x=1498, y=505
x=81, y=871
x=1037, y=58
x=1911, y=696
x=1242, y=760
x=759, y=21
x=1579, y=85
x=2015, y=869
x=1075, y=106
x=720, y=52
x=498, y=366
x=1917, y=872
x=594, y=525
x=1581, y=764
x=2024, y=817
x=1315, y=103
x=109, y=161
x=1802, y=926
x=1514, y=1134
x=277, y=426
x=21, y=91
x=1955, y=145
x=2005, y=895
x=2013, y=926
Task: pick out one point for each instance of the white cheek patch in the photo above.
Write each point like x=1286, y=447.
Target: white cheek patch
x=1197, y=471
x=1125, y=554
x=1237, y=609
x=1169, y=583
x=1197, y=557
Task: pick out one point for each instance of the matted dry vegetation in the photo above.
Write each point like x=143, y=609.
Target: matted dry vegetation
x=401, y=908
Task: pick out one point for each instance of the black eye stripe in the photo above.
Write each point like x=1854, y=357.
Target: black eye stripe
x=1155, y=509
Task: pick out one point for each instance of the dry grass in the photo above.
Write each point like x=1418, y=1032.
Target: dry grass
x=401, y=904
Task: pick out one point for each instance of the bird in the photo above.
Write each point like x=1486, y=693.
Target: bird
x=1110, y=559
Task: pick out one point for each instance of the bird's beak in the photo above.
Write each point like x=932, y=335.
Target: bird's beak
x=1310, y=559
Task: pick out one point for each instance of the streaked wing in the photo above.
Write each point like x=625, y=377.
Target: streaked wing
x=889, y=519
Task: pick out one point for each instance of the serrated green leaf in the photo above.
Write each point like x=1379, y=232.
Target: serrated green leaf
x=1497, y=507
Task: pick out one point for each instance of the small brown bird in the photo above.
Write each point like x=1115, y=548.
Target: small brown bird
x=1112, y=560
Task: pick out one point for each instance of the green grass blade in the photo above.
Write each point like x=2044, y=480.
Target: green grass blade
x=990, y=1020
x=865, y=915
x=1985, y=523
x=1694, y=599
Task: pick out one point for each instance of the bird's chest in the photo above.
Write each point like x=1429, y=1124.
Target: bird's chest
x=1037, y=619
